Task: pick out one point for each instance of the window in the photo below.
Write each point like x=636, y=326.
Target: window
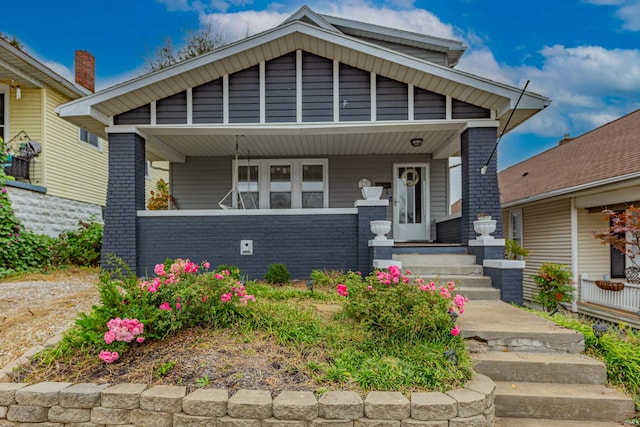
x=89, y=138
x=147, y=169
x=515, y=226
x=282, y=184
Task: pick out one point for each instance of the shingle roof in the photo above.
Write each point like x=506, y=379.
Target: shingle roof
x=606, y=152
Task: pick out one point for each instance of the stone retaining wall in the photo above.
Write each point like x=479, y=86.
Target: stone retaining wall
x=53, y=404
x=50, y=215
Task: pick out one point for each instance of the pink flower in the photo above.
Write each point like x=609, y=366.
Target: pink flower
x=140, y=340
x=408, y=273
x=178, y=306
x=109, y=337
x=108, y=356
x=218, y=276
x=369, y=288
x=226, y=297
x=206, y=265
x=4, y=190
x=159, y=270
x=165, y=306
x=459, y=301
x=204, y=298
x=342, y=290
x=455, y=331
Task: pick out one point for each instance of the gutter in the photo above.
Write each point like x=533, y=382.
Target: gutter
x=569, y=190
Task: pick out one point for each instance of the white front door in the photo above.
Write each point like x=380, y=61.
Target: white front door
x=411, y=202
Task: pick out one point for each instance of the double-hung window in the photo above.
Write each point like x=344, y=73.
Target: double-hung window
x=282, y=184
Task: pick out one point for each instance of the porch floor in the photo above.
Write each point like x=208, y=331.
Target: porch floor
x=609, y=314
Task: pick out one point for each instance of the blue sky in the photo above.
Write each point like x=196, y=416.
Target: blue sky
x=583, y=54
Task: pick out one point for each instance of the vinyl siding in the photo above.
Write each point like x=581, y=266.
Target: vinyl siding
x=73, y=170
x=26, y=114
x=317, y=88
x=355, y=94
x=429, y=105
x=280, y=90
x=207, y=102
x=463, y=110
x=546, y=233
x=172, y=109
x=244, y=96
x=137, y=116
x=392, y=99
x=200, y=183
x=593, y=256
x=427, y=55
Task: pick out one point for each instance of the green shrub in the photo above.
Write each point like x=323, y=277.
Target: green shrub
x=512, y=250
x=277, y=274
x=81, y=247
x=553, y=282
x=327, y=279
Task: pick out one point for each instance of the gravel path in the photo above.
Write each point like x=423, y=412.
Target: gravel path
x=33, y=311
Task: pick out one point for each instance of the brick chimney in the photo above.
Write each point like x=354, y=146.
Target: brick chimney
x=85, y=70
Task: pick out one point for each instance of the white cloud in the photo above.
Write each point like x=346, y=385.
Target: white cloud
x=604, y=2
x=60, y=69
x=630, y=16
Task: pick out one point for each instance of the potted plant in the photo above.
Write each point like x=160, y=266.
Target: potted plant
x=624, y=235
x=512, y=250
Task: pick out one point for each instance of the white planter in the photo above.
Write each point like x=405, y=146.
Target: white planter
x=380, y=228
x=372, y=193
x=484, y=227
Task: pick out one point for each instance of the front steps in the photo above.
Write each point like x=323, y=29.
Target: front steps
x=456, y=267
x=541, y=377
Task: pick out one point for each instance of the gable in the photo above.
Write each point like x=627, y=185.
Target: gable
x=329, y=92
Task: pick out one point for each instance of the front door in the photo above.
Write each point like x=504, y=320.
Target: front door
x=411, y=202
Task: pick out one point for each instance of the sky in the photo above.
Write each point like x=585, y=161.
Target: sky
x=582, y=54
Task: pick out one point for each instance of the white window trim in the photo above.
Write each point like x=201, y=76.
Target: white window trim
x=6, y=90
x=147, y=169
x=264, y=181
x=512, y=213
x=87, y=144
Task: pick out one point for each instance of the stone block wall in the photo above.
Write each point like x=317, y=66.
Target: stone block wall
x=50, y=215
x=91, y=405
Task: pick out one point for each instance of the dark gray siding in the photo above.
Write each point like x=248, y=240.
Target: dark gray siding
x=428, y=105
x=207, y=102
x=301, y=242
x=137, y=116
x=172, y=109
x=463, y=110
x=280, y=89
x=392, y=99
x=355, y=94
x=201, y=182
x=427, y=55
x=244, y=96
x=317, y=88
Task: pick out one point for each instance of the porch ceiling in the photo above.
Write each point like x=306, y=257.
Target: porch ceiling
x=174, y=143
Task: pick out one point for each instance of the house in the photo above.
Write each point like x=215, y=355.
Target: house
x=60, y=169
x=268, y=137
x=552, y=203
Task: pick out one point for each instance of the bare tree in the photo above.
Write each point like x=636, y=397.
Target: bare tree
x=196, y=43
x=13, y=41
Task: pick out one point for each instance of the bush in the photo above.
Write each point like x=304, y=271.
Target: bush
x=512, y=250
x=80, y=247
x=159, y=200
x=277, y=274
x=554, y=286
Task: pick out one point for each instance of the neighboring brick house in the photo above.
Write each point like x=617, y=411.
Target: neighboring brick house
x=285, y=124
x=552, y=203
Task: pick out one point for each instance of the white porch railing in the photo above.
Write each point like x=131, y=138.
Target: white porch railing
x=627, y=299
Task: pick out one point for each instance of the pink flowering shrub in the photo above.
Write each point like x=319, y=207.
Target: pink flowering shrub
x=391, y=303
x=181, y=294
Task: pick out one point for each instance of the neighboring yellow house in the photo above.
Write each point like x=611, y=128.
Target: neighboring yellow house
x=66, y=181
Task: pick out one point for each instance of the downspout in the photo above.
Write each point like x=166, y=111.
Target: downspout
x=574, y=254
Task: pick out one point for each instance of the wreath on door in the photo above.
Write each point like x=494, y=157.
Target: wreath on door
x=410, y=177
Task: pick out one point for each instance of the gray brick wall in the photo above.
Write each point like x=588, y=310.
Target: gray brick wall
x=125, y=196
x=301, y=242
x=486, y=252
x=509, y=281
x=479, y=192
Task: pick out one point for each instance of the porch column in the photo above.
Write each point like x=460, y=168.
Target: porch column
x=479, y=192
x=125, y=196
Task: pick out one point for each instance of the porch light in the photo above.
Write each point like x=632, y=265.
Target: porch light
x=18, y=92
x=451, y=356
x=599, y=330
x=417, y=142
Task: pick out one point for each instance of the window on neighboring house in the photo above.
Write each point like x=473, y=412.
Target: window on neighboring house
x=89, y=138
x=147, y=169
x=282, y=184
x=515, y=226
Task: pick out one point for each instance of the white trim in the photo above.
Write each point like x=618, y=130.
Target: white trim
x=448, y=108
x=126, y=129
x=247, y=212
x=263, y=92
x=574, y=252
x=373, y=89
x=504, y=264
x=379, y=202
x=336, y=90
x=87, y=143
x=190, y=106
x=512, y=213
x=486, y=242
x=153, y=111
x=298, y=86
x=410, y=101
x=225, y=99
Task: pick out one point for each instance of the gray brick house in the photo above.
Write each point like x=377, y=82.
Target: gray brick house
x=268, y=137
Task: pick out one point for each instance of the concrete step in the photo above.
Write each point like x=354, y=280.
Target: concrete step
x=478, y=294
x=444, y=270
x=561, y=401
x=540, y=367
x=497, y=326
x=435, y=259
x=533, y=422
x=460, y=280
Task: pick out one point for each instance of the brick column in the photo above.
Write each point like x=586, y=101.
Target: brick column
x=479, y=192
x=125, y=196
